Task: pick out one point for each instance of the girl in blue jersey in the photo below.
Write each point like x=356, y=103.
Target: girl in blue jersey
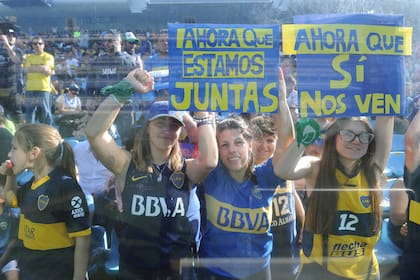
x=343, y=218
x=155, y=182
x=237, y=241
x=54, y=227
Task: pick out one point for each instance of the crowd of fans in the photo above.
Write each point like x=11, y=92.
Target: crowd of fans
x=81, y=76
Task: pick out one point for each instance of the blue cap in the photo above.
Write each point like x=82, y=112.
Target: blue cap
x=74, y=88
x=161, y=109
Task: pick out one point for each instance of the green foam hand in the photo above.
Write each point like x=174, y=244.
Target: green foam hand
x=122, y=91
x=307, y=131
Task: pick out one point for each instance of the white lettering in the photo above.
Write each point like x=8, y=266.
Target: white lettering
x=78, y=212
x=153, y=206
x=179, y=208
x=137, y=207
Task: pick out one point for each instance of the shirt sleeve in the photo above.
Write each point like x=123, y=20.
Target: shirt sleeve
x=51, y=62
x=265, y=176
x=75, y=207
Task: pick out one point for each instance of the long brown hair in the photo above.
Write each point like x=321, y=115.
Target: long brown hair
x=56, y=151
x=322, y=205
x=142, y=153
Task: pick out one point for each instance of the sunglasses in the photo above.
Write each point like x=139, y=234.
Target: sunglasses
x=364, y=137
x=37, y=43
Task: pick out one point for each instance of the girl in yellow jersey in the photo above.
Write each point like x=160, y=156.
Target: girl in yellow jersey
x=343, y=218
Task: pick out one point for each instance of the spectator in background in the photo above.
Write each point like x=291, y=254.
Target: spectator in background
x=69, y=114
x=292, y=97
x=11, y=78
x=108, y=69
x=39, y=67
x=145, y=46
x=69, y=102
x=71, y=63
x=5, y=122
x=130, y=44
x=159, y=63
x=288, y=64
x=6, y=137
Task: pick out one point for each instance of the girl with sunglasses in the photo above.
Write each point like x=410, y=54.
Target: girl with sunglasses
x=343, y=219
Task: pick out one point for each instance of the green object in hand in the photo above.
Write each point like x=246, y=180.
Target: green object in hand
x=307, y=131
x=121, y=90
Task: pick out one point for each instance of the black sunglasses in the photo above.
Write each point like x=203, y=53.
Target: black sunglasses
x=349, y=136
x=37, y=43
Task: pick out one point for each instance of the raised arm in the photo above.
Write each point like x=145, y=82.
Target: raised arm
x=398, y=199
x=384, y=127
x=208, y=156
x=412, y=144
x=106, y=149
x=284, y=128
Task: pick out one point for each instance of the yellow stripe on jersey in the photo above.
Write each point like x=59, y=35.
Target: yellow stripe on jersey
x=349, y=255
x=85, y=232
x=414, y=212
x=354, y=193
x=288, y=188
x=37, y=236
x=39, y=183
x=236, y=219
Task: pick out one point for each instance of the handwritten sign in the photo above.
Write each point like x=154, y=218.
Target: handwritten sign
x=223, y=68
x=349, y=65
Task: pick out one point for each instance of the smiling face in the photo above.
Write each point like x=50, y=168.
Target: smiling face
x=234, y=150
x=352, y=150
x=263, y=147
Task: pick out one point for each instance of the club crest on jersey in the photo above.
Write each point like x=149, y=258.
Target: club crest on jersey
x=256, y=192
x=365, y=200
x=177, y=179
x=3, y=225
x=43, y=201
